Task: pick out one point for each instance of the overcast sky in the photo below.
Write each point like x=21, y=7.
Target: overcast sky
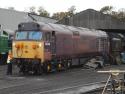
x=53, y=6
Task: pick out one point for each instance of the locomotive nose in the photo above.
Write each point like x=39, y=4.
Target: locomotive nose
x=28, y=49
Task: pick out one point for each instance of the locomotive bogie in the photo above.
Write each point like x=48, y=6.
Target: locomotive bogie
x=29, y=65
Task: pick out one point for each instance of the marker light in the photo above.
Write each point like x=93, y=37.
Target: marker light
x=17, y=46
x=34, y=46
x=14, y=44
x=40, y=44
x=21, y=45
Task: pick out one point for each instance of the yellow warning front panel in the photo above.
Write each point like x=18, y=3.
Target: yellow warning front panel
x=28, y=49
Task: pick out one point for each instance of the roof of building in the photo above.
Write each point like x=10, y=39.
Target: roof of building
x=93, y=19
x=9, y=19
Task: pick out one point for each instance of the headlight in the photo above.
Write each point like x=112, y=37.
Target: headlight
x=14, y=44
x=40, y=44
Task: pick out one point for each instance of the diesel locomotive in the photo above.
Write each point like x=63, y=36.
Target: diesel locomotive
x=44, y=47
x=4, y=46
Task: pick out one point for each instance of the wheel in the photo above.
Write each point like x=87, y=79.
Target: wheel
x=24, y=70
x=118, y=60
x=47, y=68
x=68, y=64
x=59, y=66
x=37, y=70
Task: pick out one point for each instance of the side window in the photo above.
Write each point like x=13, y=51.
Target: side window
x=53, y=43
x=75, y=33
x=5, y=33
x=47, y=36
x=10, y=43
x=53, y=33
x=53, y=38
x=47, y=43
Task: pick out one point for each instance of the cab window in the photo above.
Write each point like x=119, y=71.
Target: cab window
x=21, y=35
x=47, y=36
x=35, y=35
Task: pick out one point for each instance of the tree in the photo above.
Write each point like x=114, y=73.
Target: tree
x=61, y=15
x=42, y=12
x=120, y=14
x=71, y=11
x=106, y=9
x=32, y=10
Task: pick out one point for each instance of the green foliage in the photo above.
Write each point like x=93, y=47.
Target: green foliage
x=61, y=15
x=71, y=11
x=106, y=9
x=58, y=16
x=42, y=12
x=120, y=14
x=32, y=10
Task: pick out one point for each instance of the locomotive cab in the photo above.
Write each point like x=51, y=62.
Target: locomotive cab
x=28, y=46
x=27, y=43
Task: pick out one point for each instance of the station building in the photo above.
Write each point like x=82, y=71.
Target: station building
x=94, y=20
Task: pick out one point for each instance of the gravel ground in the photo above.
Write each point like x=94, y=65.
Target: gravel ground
x=69, y=81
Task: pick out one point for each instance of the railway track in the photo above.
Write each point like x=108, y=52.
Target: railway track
x=67, y=82
x=45, y=84
x=78, y=89
x=44, y=88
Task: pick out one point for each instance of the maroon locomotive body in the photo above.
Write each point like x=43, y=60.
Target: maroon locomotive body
x=55, y=46
x=73, y=42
